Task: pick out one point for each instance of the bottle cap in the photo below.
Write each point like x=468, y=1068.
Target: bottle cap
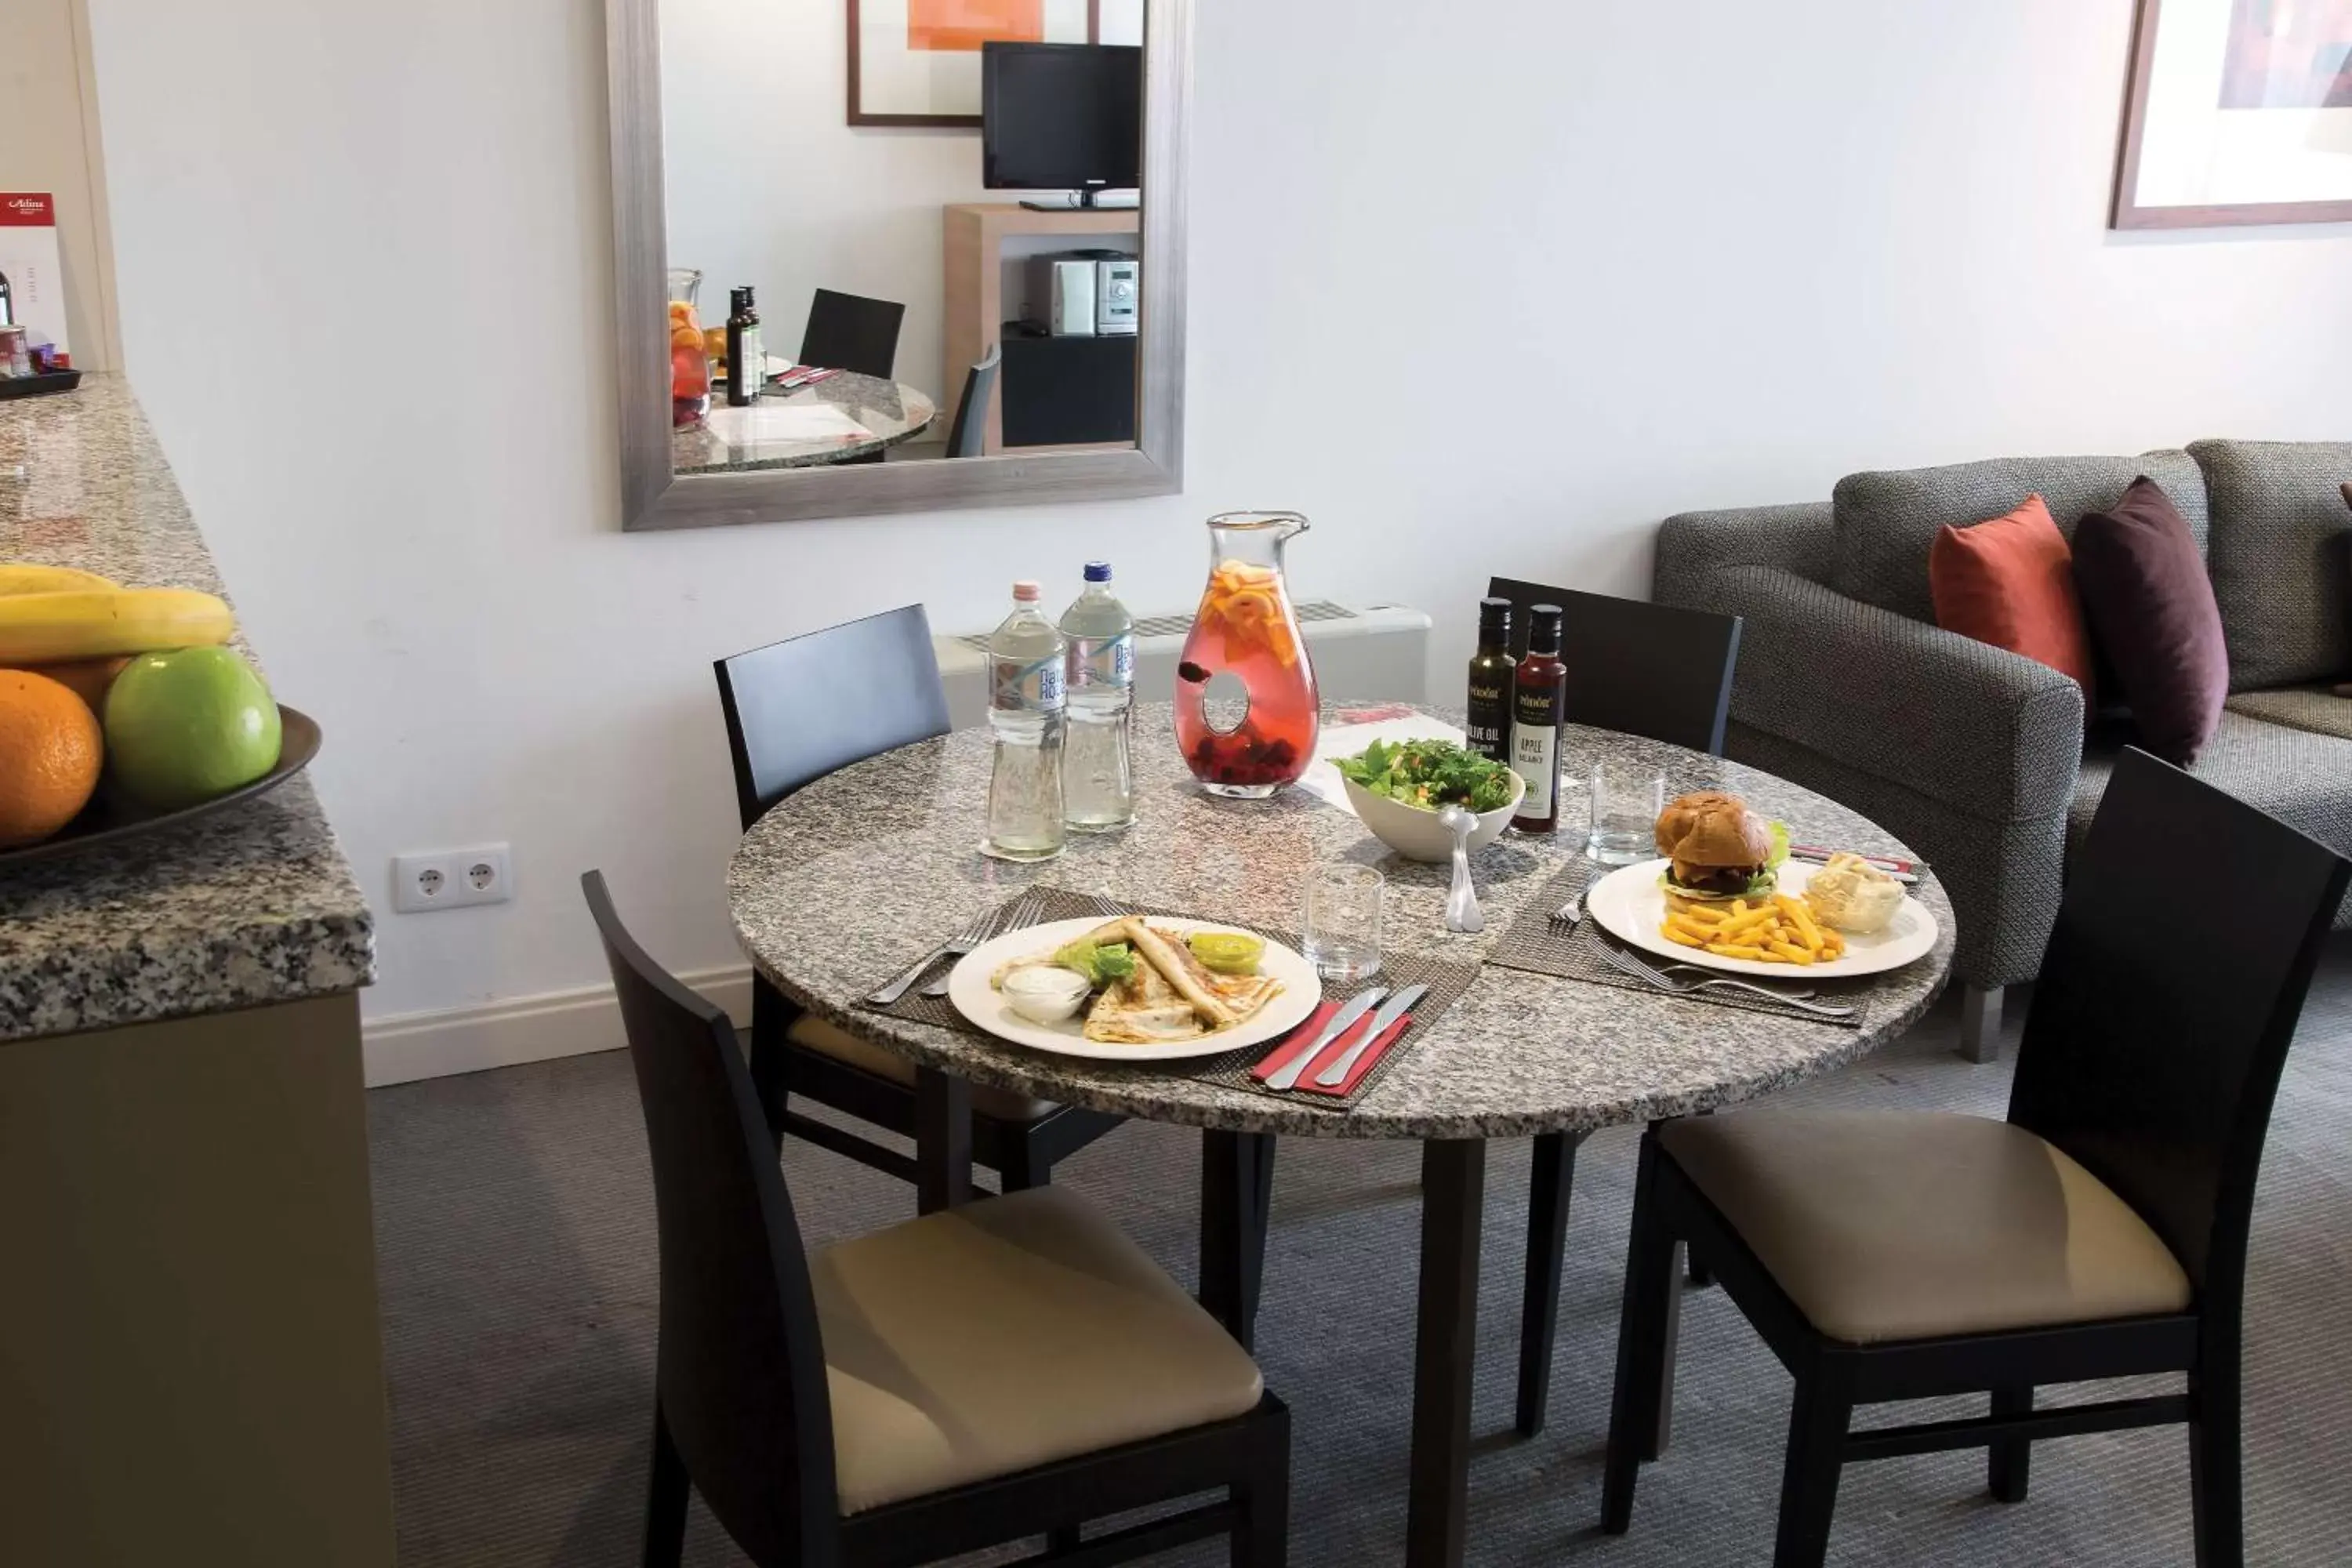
x=1494, y=615
x=1543, y=628
x=1025, y=592
x=1098, y=571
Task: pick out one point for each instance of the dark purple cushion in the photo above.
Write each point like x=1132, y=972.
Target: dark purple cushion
x=2151, y=609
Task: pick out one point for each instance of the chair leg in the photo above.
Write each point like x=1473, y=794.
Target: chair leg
x=1642, y=1328
x=1236, y=1199
x=771, y=1057
x=2216, y=1474
x=1980, y=1023
x=1261, y=1536
x=1818, y=1420
x=1018, y=1167
x=2009, y=1464
x=665, y=1541
x=1695, y=1271
x=1553, y=1178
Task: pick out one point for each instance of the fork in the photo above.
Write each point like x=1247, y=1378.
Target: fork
x=1568, y=913
x=1617, y=958
x=1023, y=912
x=974, y=932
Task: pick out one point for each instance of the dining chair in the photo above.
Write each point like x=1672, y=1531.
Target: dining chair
x=797, y=710
x=967, y=436
x=1645, y=669
x=849, y=331
x=2099, y=1232
x=1009, y=1368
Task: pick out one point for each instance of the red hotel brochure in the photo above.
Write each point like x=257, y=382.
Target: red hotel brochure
x=28, y=261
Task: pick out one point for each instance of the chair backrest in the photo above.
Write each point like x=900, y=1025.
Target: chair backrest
x=1642, y=668
x=800, y=709
x=2168, y=995
x=967, y=438
x=849, y=331
x=742, y=1362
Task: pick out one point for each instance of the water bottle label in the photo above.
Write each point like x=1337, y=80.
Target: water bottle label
x=1108, y=662
x=1037, y=687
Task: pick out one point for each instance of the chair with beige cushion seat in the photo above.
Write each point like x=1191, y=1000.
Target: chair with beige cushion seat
x=2099, y=1232
x=1012, y=1367
x=797, y=710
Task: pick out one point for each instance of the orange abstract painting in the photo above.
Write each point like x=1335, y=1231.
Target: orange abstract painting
x=965, y=24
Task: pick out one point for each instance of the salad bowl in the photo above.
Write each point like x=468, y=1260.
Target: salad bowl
x=1414, y=830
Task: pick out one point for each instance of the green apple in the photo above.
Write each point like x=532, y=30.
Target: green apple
x=186, y=726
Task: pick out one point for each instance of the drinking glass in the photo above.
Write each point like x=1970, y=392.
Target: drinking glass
x=1626, y=801
x=1342, y=924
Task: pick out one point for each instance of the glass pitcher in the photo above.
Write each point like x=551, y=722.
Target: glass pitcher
x=1246, y=702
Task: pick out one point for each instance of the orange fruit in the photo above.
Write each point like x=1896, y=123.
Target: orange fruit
x=87, y=679
x=50, y=751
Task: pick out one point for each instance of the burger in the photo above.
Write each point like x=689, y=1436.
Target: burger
x=1716, y=849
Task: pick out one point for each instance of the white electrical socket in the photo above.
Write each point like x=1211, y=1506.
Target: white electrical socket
x=451, y=879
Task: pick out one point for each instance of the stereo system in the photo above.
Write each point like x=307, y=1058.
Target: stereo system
x=1085, y=294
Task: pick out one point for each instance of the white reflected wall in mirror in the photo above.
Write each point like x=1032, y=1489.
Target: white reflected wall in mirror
x=997, y=296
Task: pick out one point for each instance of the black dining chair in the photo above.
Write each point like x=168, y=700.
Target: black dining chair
x=797, y=710
x=967, y=436
x=849, y=331
x=1010, y=1368
x=2099, y=1232
x=1644, y=669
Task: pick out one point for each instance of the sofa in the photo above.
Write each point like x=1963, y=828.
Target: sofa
x=1979, y=758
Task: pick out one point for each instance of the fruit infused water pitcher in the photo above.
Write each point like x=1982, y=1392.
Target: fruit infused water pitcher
x=1245, y=700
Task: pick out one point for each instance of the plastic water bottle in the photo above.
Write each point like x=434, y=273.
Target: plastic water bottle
x=1026, y=709
x=1097, y=779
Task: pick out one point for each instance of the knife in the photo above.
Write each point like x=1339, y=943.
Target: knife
x=1395, y=1008
x=1363, y=1002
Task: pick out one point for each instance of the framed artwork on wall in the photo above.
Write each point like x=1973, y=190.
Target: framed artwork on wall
x=2239, y=111
x=917, y=62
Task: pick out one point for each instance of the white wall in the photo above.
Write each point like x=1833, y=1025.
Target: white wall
x=1474, y=299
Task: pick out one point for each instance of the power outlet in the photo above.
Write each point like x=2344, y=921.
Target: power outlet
x=451, y=879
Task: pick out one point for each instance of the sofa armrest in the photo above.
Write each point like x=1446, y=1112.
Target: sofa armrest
x=1984, y=731
x=1799, y=538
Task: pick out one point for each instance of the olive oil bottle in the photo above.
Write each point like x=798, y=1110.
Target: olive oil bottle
x=1492, y=677
x=747, y=366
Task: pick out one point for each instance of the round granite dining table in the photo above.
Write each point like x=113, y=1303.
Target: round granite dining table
x=731, y=440
x=845, y=882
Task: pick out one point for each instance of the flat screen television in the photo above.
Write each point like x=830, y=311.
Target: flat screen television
x=1061, y=117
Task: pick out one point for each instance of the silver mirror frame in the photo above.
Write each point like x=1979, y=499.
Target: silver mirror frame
x=654, y=497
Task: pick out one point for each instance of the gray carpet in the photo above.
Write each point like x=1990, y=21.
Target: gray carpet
x=515, y=1227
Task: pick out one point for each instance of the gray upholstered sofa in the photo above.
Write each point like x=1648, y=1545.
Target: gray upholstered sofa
x=1977, y=757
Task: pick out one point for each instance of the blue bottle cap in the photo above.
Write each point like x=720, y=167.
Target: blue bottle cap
x=1098, y=571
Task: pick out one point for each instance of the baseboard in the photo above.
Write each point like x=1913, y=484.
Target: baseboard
x=412, y=1045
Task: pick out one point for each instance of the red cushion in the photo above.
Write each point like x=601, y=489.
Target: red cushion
x=2011, y=583
x=2151, y=606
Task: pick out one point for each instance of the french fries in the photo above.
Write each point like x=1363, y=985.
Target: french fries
x=1778, y=930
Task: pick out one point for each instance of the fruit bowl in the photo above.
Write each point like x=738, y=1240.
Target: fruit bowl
x=112, y=820
x=1418, y=834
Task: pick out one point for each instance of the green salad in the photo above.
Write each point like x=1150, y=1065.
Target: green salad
x=1101, y=962
x=1431, y=774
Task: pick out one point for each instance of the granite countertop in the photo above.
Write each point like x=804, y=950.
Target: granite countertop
x=854, y=877
x=255, y=904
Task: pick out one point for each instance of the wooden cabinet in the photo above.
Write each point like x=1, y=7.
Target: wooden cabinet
x=975, y=235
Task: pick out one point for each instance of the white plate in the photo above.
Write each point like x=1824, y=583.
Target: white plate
x=1631, y=905
x=976, y=999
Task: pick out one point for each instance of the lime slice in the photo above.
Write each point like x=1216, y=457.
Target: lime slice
x=1227, y=951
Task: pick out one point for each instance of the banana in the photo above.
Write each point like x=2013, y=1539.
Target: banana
x=21, y=577
x=46, y=628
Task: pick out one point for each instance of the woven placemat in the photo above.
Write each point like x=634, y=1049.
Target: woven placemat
x=1446, y=983
x=1536, y=945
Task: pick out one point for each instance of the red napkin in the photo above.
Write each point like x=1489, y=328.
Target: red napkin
x=1282, y=1054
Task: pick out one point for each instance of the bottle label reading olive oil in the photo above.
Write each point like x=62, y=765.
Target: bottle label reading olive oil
x=755, y=363
x=1535, y=752
x=1488, y=729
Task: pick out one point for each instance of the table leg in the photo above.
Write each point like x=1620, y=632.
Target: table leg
x=942, y=1140
x=1452, y=1179
x=1553, y=1165
x=1236, y=1194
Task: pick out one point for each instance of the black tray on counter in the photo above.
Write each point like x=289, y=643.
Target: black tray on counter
x=108, y=820
x=34, y=385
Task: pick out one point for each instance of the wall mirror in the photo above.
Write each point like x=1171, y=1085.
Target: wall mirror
x=960, y=224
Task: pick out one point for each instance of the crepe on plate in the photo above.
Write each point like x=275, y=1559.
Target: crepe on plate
x=1172, y=996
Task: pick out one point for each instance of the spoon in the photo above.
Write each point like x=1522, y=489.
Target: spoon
x=1462, y=903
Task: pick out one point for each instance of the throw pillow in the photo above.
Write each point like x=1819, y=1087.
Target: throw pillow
x=2010, y=581
x=2151, y=607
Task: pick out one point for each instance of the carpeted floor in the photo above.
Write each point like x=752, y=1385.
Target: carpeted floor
x=515, y=1227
